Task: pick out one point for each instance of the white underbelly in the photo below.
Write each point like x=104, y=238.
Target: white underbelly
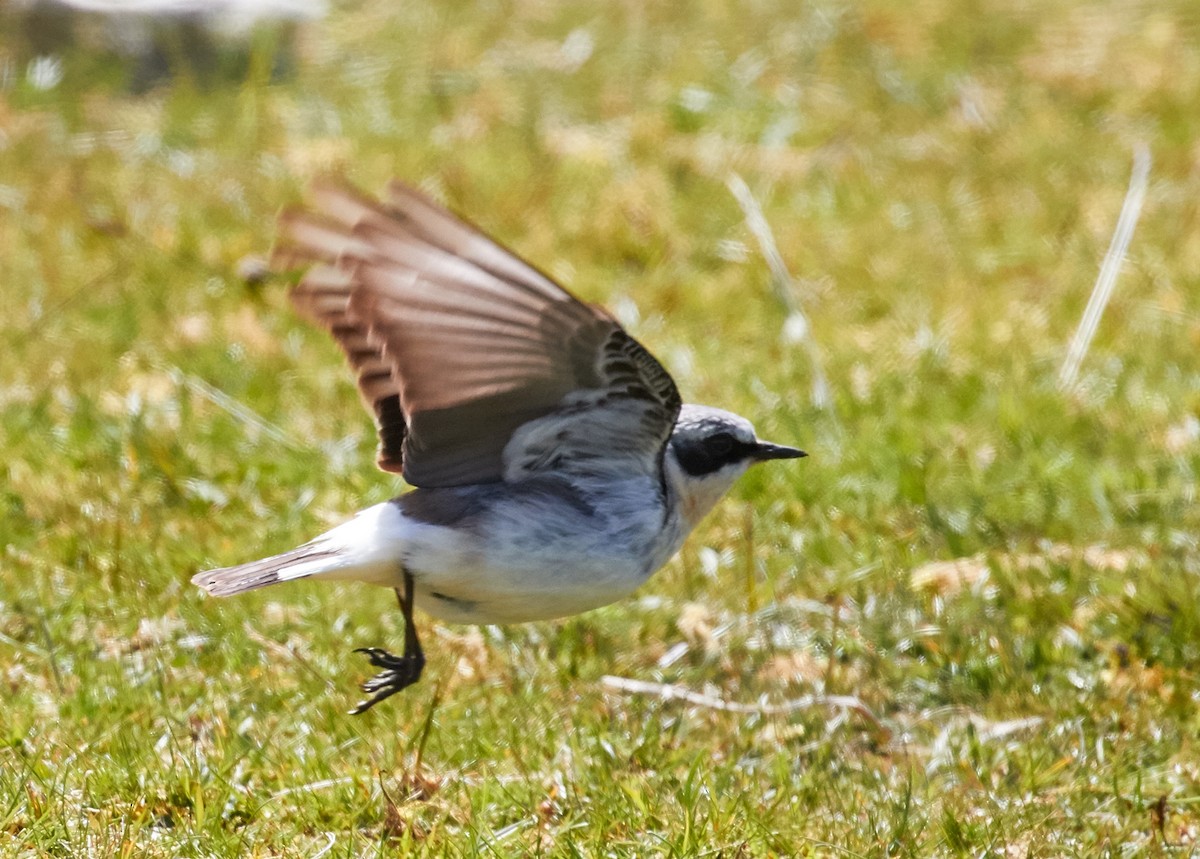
x=507, y=568
x=502, y=588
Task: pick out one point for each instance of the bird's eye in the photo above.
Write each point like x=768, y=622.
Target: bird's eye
x=720, y=444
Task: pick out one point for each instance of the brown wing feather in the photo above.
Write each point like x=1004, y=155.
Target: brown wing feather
x=457, y=342
x=323, y=297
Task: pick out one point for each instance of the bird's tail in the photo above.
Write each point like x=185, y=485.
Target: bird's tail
x=307, y=560
x=365, y=549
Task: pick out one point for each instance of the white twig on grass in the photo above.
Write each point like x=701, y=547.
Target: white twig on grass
x=311, y=787
x=243, y=413
x=986, y=731
x=1111, y=267
x=943, y=751
x=669, y=692
x=796, y=328
x=328, y=846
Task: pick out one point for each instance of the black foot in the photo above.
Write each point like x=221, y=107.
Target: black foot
x=399, y=672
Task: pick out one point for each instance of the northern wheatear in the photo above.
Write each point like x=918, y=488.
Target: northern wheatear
x=555, y=467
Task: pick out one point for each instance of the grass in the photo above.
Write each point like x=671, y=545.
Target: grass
x=942, y=181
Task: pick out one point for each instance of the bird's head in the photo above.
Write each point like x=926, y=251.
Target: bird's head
x=708, y=451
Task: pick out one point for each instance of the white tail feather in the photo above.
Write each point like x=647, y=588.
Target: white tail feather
x=299, y=563
x=366, y=549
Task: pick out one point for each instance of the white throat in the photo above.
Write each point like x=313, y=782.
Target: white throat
x=693, y=497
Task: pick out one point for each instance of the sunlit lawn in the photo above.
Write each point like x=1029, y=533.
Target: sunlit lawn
x=1006, y=574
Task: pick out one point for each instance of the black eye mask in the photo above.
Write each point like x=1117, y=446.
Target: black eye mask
x=710, y=453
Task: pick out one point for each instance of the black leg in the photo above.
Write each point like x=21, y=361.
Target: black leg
x=399, y=672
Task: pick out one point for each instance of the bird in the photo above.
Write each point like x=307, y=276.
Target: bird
x=552, y=463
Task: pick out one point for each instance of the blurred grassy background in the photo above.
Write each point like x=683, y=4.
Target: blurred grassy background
x=1005, y=573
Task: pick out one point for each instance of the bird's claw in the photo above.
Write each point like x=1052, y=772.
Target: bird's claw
x=399, y=672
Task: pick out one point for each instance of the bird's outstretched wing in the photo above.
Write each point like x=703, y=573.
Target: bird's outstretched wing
x=477, y=366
